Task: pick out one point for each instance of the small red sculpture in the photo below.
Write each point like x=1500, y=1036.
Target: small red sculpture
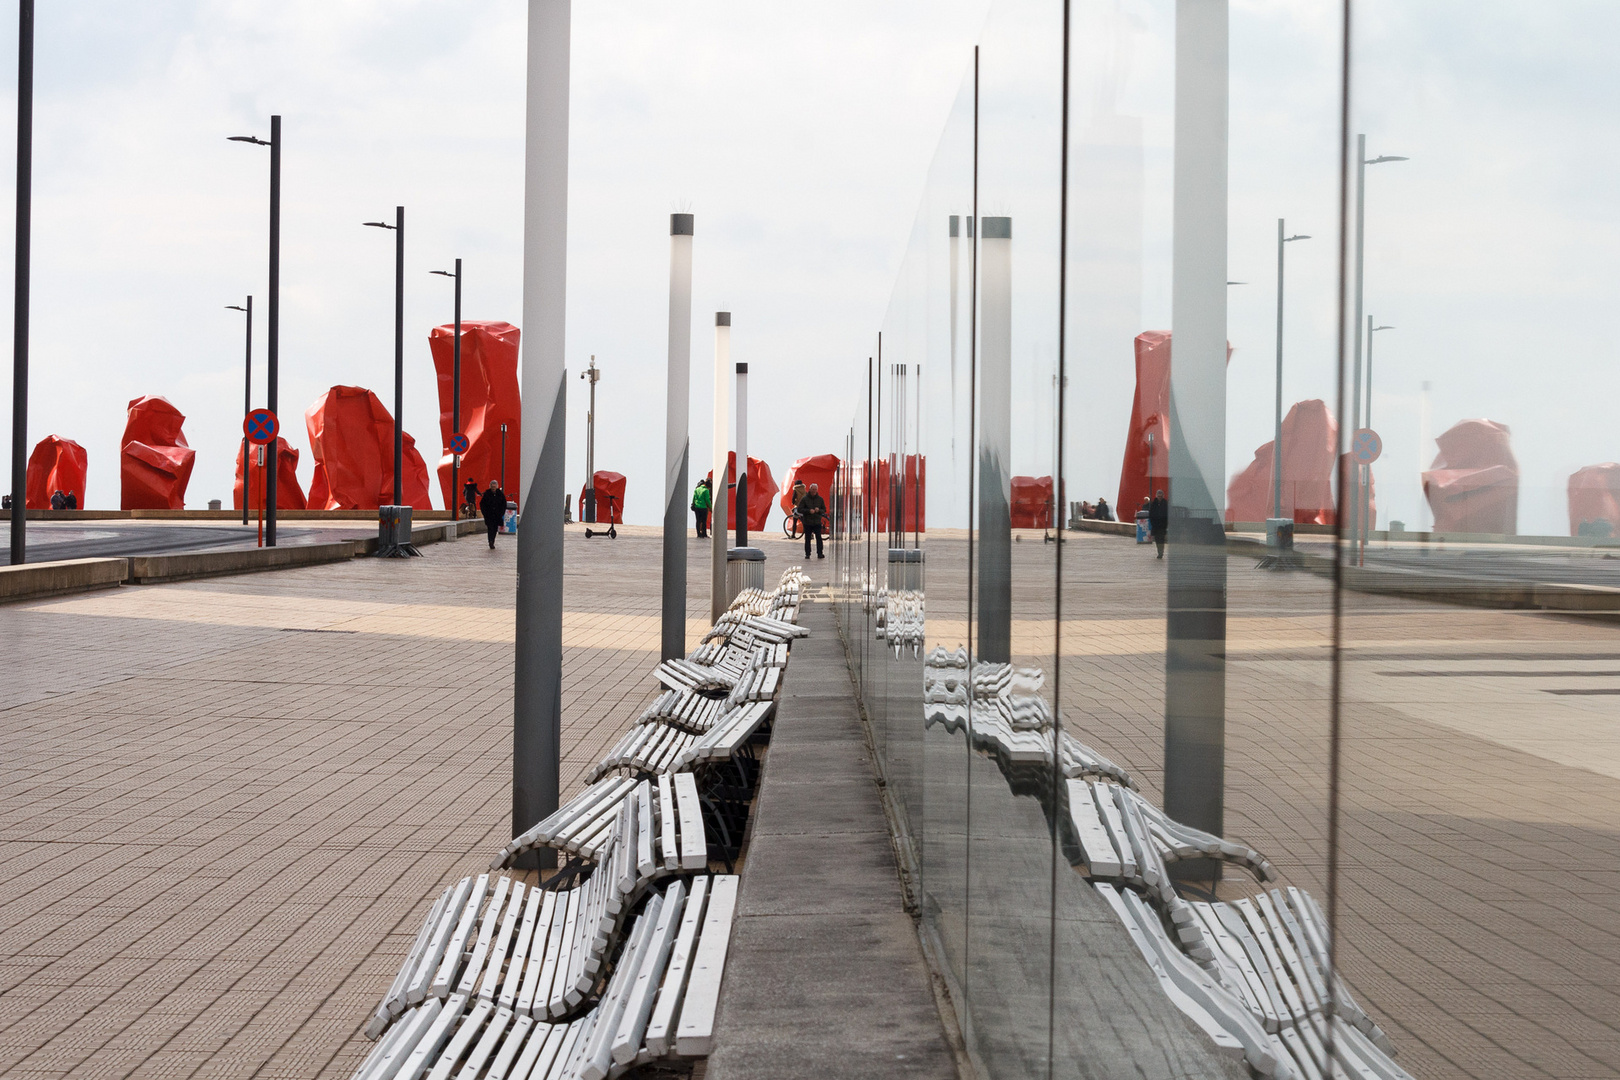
x=57, y=464
x=1473, y=485
x=1146, y=467
x=1594, y=500
x=351, y=437
x=1310, y=436
x=908, y=498
x=761, y=490
x=609, y=497
x=489, y=398
x=1032, y=502
x=289, y=492
x=818, y=469
x=154, y=461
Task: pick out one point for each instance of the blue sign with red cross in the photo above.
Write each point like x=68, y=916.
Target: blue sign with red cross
x=459, y=444
x=261, y=427
x=1366, y=446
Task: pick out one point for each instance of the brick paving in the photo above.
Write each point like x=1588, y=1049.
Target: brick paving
x=226, y=804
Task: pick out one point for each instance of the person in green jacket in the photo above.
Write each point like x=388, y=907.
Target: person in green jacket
x=702, y=499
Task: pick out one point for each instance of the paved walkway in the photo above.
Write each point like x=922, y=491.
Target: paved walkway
x=224, y=804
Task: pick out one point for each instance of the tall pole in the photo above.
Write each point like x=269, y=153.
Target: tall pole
x=503, y=457
x=677, y=439
x=1355, y=398
x=1276, y=427
x=995, y=440
x=399, y=356
x=722, y=425
x=587, y=510
x=247, y=407
x=538, y=661
x=742, y=455
x=455, y=408
x=19, y=339
x=272, y=357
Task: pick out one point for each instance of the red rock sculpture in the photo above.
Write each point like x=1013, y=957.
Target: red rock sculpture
x=1146, y=467
x=57, y=464
x=1594, y=500
x=609, y=497
x=909, y=497
x=154, y=461
x=818, y=469
x=1032, y=502
x=1473, y=485
x=761, y=490
x=289, y=492
x=1310, y=436
x=351, y=437
x=489, y=398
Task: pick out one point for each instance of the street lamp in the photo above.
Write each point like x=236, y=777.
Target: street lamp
x=1362, y=161
x=1276, y=438
x=19, y=338
x=587, y=511
x=272, y=320
x=247, y=398
x=399, y=348
x=1366, y=486
x=455, y=399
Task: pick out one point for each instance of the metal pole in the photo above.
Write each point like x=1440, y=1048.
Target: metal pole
x=1276, y=444
x=455, y=408
x=503, y=457
x=272, y=357
x=742, y=455
x=995, y=440
x=587, y=505
x=677, y=439
x=537, y=669
x=1355, y=399
x=19, y=339
x=399, y=356
x=1366, y=482
x=247, y=407
x=722, y=424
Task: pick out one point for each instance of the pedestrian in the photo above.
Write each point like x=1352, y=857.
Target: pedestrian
x=58, y=500
x=812, y=510
x=1159, y=519
x=493, y=506
x=702, y=499
x=469, y=496
x=1104, y=511
x=72, y=500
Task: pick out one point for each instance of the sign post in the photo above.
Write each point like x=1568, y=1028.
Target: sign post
x=261, y=428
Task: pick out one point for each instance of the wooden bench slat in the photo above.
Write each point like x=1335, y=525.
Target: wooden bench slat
x=694, y=1034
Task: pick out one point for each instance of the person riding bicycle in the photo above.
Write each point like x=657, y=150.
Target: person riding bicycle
x=812, y=510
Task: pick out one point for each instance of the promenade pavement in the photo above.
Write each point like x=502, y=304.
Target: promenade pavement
x=226, y=804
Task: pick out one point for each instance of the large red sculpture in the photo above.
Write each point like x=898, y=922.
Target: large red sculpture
x=761, y=490
x=489, y=398
x=1146, y=467
x=818, y=469
x=1032, y=502
x=1473, y=485
x=1594, y=500
x=1310, y=436
x=289, y=492
x=57, y=464
x=154, y=460
x=908, y=497
x=351, y=437
x=609, y=497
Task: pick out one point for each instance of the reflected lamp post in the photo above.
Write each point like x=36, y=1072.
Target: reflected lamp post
x=272, y=322
x=247, y=397
x=1366, y=484
x=1276, y=439
x=1362, y=161
x=399, y=348
x=455, y=399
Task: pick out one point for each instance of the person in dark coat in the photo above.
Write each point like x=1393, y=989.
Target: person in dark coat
x=58, y=501
x=1104, y=511
x=1159, y=519
x=72, y=501
x=469, y=495
x=812, y=510
x=493, y=506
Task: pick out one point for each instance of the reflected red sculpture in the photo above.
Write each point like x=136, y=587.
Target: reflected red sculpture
x=154, y=460
x=1146, y=467
x=1032, y=502
x=57, y=464
x=1310, y=436
x=818, y=469
x=1594, y=500
x=609, y=496
x=351, y=437
x=909, y=496
x=289, y=492
x=1473, y=485
x=761, y=490
x=489, y=398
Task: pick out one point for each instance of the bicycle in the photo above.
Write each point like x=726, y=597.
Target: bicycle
x=793, y=526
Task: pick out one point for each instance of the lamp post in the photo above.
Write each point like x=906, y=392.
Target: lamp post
x=1362, y=161
x=587, y=512
x=503, y=457
x=272, y=325
x=455, y=401
x=1276, y=441
x=19, y=339
x=399, y=348
x=1366, y=485
x=247, y=397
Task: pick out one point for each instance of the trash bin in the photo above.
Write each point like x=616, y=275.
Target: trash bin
x=1144, y=534
x=745, y=569
x=509, y=520
x=905, y=570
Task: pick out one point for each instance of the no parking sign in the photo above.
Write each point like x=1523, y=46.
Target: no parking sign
x=261, y=427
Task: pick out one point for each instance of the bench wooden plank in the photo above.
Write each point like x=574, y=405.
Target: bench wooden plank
x=556, y=1001
x=1099, y=850
x=665, y=1010
x=632, y=1027
x=484, y=1048
x=503, y=941
x=694, y=1035
x=486, y=937
x=507, y=998
x=453, y=950
x=598, y=1055
x=694, y=848
x=437, y=1062
x=417, y=989
x=552, y=911
x=666, y=822
x=412, y=1030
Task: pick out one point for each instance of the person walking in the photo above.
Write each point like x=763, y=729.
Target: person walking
x=469, y=496
x=1159, y=520
x=493, y=506
x=58, y=500
x=812, y=510
x=702, y=499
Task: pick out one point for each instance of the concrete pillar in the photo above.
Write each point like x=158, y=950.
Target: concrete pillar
x=677, y=440
x=1195, y=645
x=537, y=673
x=995, y=439
x=722, y=433
x=742, y=455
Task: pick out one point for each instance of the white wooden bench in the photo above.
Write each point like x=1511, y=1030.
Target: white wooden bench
x=584, y=826
x=1145, y=825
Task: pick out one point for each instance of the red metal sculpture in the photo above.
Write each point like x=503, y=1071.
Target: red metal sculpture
x=1310, y=435
x=57, y=464
x=1032, y=502
x=1594, y=500
x=908, y=498
x=1473, y=485
x=489, y=398
x=154, y=461
x=351, y=437
x=761, y=490
x=1146, y=468
x=289, y=492
x=818, y=469
x=609, y=497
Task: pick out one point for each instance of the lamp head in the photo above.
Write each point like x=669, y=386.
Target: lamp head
x=1237, y=282
x=442, y=273
x=377, y=224
x=1296, y=236
x=255, y=140
x=1380, y=159
x=1378, y=328
x=234, y=307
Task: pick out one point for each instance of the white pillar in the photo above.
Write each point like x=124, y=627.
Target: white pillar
x=677, y=441
x=722, y=432
x=537, y=689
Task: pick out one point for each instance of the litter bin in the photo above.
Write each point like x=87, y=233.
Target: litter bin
x=745, y=569
x=905, y=570
x=509, y=520
x=1144, y=534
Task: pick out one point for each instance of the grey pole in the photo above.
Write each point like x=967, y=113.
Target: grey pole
x=742, y=455
x=1195, y=625
x=455, y=398
x=537, y=670
x=995, y=440
x=1276, y=443
x=272, y=349
x=955, y=256
x=247, y=399
x=722, y=431
x=1362, y=161
x=19, y=334
x=1366, y=487
x=677, y=439
x=399, y=356
x=587, y=507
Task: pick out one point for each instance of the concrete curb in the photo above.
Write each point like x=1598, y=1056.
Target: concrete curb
x=152, y=569
x=31, y=581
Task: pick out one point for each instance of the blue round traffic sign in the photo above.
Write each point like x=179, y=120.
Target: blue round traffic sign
x=1366, y=446
x=261, y=427
x=459, y=443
